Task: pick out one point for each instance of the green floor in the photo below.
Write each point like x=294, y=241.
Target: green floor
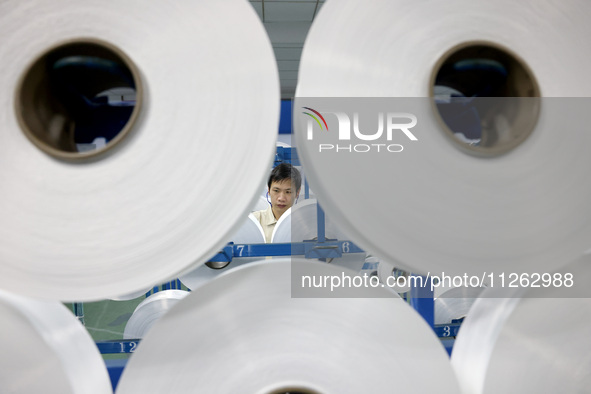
x=106, y=320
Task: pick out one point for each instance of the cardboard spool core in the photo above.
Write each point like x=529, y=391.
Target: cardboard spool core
x=499, y=95
x=45, y=112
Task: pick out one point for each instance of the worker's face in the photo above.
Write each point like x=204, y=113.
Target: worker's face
x=282, y=197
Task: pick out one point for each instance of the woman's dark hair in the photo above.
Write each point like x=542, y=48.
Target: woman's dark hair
x=286, y=171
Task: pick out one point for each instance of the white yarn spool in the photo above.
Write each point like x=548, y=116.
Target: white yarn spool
x=455, y=303
x=79, y=227
x=149, y=311
x=45, y=349
x=269, y=342
x=544, y=328
x=437, y=208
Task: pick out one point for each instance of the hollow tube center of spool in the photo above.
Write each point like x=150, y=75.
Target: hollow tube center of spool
x=217, y=265
x=485, y=98
x=79, y=99
x=294, y=390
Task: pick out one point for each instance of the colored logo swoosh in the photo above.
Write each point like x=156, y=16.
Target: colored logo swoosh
x=315, y=118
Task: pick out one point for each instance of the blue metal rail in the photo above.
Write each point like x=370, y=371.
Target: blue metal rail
x=311, y=249
x=118, y=346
